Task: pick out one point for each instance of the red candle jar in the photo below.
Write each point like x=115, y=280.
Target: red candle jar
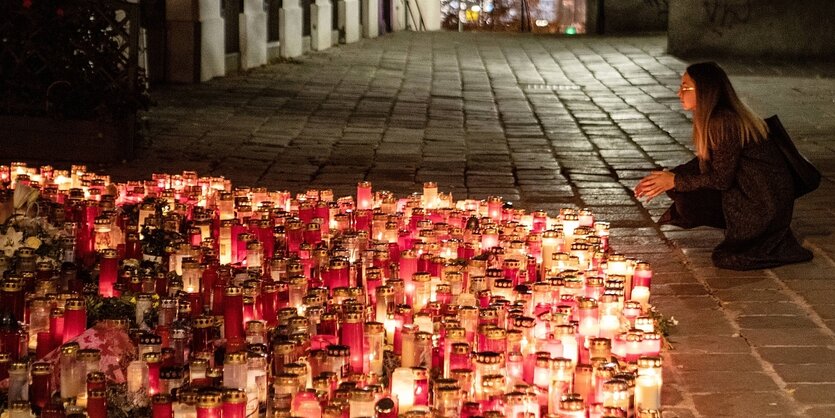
x=96, y=381
x=153, y=362
x=234, y=403
x=209, y=405
x=108, y=271
x=202, y=334
x=75, y=318
x=364, y=198
x=40, y=390
x=161, y=406
x=269, y=303
x=351, y=335
x=338, y=273
x=5, y=362
x=12, y=298
x=96, y=404
x=233, y=313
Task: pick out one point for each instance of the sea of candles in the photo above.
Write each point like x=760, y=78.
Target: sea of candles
x=270, y=304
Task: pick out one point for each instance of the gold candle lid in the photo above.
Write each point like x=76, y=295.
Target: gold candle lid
x=208, y=400
x=234, y=396
x=235, y=358
x=70, y=348
x=41, y=369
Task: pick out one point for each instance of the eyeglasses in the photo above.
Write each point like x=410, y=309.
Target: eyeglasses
x=685, y=88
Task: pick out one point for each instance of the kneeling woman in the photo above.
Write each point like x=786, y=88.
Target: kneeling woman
x=738, y=181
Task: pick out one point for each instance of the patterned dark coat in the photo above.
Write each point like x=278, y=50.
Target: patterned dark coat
x=748, y=191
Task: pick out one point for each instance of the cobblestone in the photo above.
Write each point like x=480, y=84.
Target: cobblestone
x=547, y=123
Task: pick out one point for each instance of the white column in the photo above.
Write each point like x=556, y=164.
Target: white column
x=321, y=25
x=431, y=13
x=195, y=43
x=349, y=19
x=370, y=18
x=398, y=19
x=212, y=40
x=290, y=29
x=253, y=34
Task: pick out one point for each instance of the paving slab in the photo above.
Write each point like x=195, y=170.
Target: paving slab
x=472, y=112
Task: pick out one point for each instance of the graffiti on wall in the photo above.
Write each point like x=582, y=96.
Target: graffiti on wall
x=725, y=14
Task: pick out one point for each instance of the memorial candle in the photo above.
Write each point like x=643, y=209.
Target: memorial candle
x=40, y=390
x=209, y=405
x=373, y=347
x=641, y=280
x=648, y=384
x=75, y=319
x=364, y=198
x=233, y=311
x=234, y=403
x=403, y=387
x=96, y=404
x=108, y=271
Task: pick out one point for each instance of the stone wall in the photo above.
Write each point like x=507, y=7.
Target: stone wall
x=753, y=28
x=629, y=16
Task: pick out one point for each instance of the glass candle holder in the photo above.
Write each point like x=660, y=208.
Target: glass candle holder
x=235, y=371
x=153, y=361
x=233, y=311
x=108, y=271
x=641, y=280
x=403, y=386
x=96, y=404
x=365, y=200
x=75, y=318
x=572, y=407
x=40, y=390
x=616, y=394
x=209, y=405
x=234, y=403
x=162, y=406
x=351, y=335
x=373, y=347
x=72, y=371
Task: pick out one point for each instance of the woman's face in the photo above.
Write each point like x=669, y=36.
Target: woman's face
x=687, y=93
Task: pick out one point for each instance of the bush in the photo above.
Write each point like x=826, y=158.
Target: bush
x=68, y=59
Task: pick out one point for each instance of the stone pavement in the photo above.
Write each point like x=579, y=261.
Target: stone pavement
x=545, y=122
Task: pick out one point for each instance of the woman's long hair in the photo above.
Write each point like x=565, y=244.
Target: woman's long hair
x=719, y=113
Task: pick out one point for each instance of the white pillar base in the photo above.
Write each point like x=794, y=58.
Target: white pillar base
x=194, y=24
x=398, y=11
x=212, y=48
x=431, y=13
x=253, y=34
x=371, y=18
x=321, y=25
x=349, y=20
x=290, y=29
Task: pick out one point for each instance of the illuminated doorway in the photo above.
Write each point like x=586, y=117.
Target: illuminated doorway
x=538, y=16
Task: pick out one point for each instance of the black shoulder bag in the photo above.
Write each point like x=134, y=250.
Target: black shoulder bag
x=806, y=177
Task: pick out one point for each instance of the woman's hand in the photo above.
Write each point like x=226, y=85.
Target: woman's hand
x=654, y=184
